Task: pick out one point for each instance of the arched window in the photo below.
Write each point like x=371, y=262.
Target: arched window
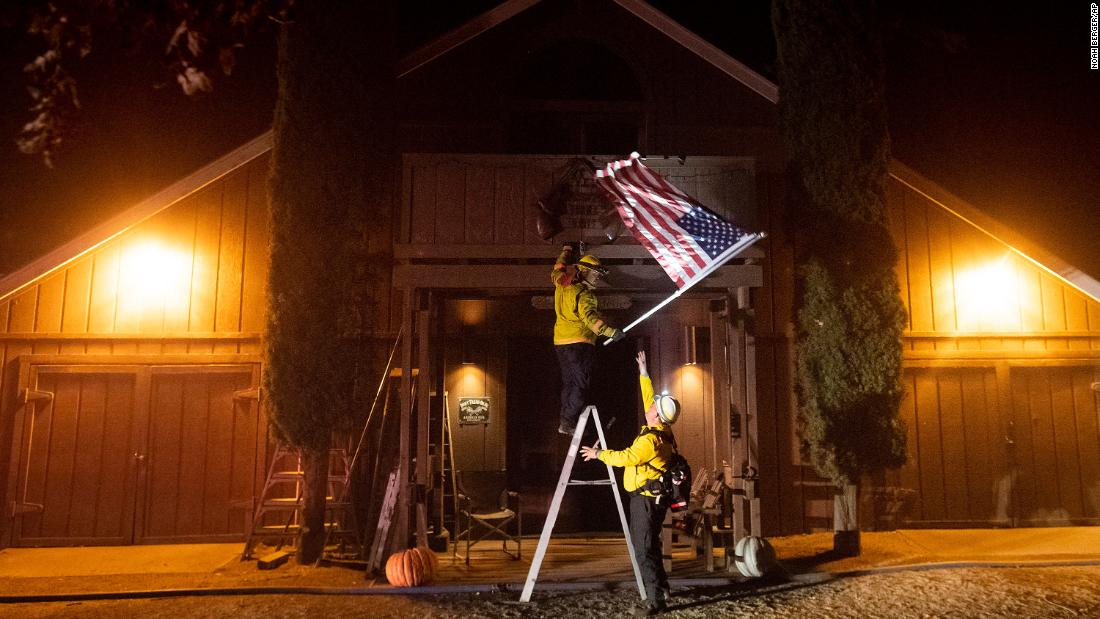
x=574, y=96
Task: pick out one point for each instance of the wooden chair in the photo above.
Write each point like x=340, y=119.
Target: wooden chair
x=707, y=512
x=486, y=507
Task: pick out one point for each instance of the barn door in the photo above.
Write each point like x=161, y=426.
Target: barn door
x=120, y=454
x=204, y=449
x=958, y=467
x=1056, y=445
x=77, y=463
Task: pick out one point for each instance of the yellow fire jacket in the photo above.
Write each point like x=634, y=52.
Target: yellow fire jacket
x=577, y=318
x=645, y=453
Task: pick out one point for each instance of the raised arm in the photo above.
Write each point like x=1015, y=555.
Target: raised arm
x=644, y=380
x=561, y=275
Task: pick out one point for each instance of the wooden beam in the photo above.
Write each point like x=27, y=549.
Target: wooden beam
x=752, y=424
x=973, y=335
x=702, y=48
x=131, y=337
x=423, y=471
x=1014, y=335
x=1034, y=357
x=401, y=512
x=462, y=34
x=989, y=363
x=720, y=376
x=537, y=277
x=735, y=328
x=177, y=359
x=407, y=251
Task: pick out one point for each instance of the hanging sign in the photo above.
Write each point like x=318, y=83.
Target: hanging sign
x=473, y=410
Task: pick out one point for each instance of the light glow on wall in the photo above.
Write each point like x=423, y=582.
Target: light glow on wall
x=690, y=379
x=471, y=312
x=987, y=296
x=471, y=381
x=153, y=276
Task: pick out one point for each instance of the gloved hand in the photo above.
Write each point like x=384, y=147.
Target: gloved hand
x=618, y=335
x=574, y=250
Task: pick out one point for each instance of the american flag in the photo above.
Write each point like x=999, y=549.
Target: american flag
x=687, y=239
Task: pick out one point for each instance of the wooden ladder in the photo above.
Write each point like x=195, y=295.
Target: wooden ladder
x=447, y=491
x=555, y=504
x=376, y=555
x=277, y=520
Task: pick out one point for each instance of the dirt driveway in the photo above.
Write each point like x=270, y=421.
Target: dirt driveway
x=969, y=592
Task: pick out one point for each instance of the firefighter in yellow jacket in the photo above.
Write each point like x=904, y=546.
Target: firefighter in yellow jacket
x=577, y=325
x=642, y=463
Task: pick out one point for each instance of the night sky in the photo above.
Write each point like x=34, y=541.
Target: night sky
x=996, y=104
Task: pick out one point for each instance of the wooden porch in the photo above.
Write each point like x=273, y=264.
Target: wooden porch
x=572, y=559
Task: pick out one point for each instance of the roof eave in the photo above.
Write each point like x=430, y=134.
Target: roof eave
x=1027, y=249
x=57, y=259
x=640, y=9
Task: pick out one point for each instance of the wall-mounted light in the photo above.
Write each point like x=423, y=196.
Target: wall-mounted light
x=987, y=296
x=696, y=346
x=154, y=275
x=467, y=352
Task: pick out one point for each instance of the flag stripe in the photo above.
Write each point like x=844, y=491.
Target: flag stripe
x=657, y=245
x=687, y=239
x=652, y=234
x=683, y=245
x=627, y=207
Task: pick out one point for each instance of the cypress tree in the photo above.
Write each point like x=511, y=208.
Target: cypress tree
x=849, y=311
x=331, y=169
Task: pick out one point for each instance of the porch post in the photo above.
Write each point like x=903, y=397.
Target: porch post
x=735, y=335
x=423, y=391
x=400, y=538
x=752, y=433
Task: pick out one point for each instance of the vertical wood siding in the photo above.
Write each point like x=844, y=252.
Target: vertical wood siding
x=213, y=282
x=218, y=237
x=202, y=467
x=960, y=469
x=1055, y=415
x=971, y=459
x=477, y=447
x=493, y=199
x=937, y=251
x=79, y=467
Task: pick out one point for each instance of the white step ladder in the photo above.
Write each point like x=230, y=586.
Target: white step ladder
x=555, y=504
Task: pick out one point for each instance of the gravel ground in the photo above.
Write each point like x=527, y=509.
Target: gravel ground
x=970, y=592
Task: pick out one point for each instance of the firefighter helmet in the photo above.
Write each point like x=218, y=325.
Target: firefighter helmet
x=668, y=408
x=591, y=263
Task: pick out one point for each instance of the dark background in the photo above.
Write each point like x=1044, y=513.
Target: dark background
x=994, y=102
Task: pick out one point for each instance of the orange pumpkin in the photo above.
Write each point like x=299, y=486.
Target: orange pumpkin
x=411, y=568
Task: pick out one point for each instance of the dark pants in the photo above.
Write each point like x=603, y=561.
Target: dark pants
x=576, y=367
x=646, y=517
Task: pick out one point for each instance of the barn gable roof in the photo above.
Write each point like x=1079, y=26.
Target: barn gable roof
x=156, y=203
x=113, y=227
x=640, y=9
x=1019, y=244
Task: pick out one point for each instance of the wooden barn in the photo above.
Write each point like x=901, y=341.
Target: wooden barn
x=129, y=400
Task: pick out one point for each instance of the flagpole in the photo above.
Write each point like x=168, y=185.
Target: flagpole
x=723, y=258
